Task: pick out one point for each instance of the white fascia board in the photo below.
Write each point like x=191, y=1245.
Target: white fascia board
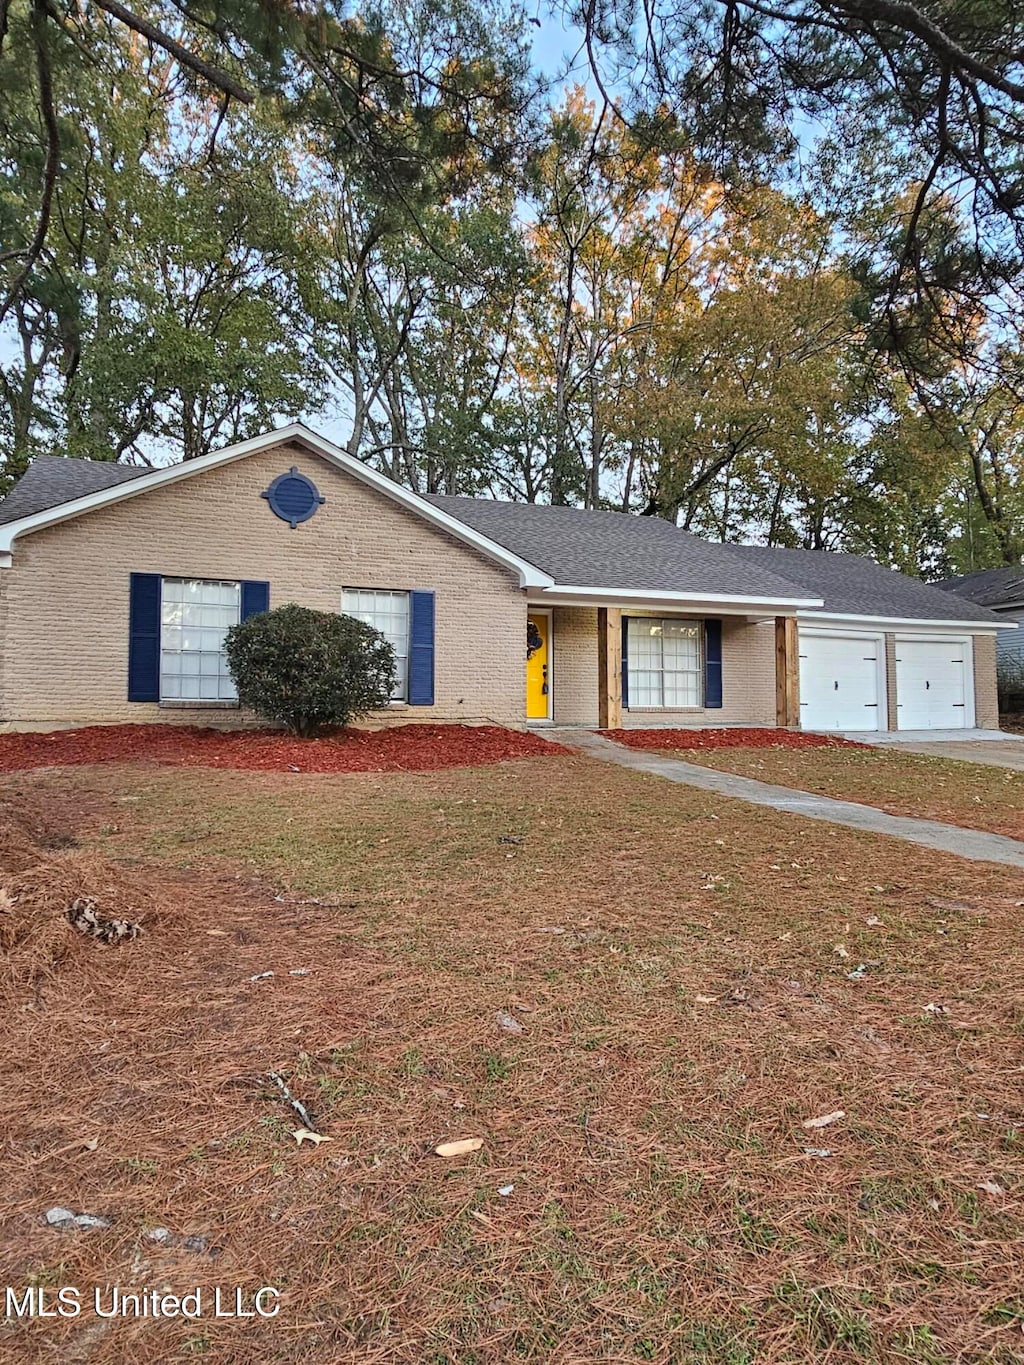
x=902, y=623
x=729, y=604
x=529, y=575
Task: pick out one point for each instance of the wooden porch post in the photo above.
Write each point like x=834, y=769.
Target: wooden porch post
x=609, y=668
x=787, y=671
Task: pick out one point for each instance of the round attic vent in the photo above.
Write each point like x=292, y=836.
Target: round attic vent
x=293, y=497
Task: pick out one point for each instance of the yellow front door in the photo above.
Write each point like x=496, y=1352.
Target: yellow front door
x=538, y=679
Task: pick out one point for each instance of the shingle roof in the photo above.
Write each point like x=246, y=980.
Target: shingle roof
x=856, y=586
x=1003, y=587
x=52, y=479
x=610, y=550
x=617, y=551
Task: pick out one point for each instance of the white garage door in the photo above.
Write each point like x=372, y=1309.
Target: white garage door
x=840, y=682
x=932, y=691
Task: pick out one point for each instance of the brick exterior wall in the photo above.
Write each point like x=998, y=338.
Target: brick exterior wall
x=64, y=602
x=986, y=701
x=748, y=675
x=574, y=670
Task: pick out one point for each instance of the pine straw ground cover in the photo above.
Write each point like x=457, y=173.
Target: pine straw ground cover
x=403, y=748
x=976, y=795
x=679, y=966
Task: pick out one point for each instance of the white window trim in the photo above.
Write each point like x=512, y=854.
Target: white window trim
x=395, y=702
x=701, y=669
x=193, y=703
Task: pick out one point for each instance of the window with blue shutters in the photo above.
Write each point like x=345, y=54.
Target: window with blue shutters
x=176, y=635
x=389, y=613
x=663, y=663
x=406, y=620
x=196, y=614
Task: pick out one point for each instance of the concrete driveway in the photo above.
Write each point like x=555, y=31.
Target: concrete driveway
x=994, y=747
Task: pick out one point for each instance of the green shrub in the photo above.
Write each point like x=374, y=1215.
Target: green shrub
x=308, y=669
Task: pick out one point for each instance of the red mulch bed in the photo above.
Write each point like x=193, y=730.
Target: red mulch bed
x=405, y=748
x=736, y=737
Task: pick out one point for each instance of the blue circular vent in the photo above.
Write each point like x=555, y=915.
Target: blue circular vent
x=293, y=497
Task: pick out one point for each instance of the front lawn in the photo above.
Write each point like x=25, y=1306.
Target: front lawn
x=976, y=795
x=636, y=994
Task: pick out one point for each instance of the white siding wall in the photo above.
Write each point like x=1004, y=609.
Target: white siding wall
x=1010, y=643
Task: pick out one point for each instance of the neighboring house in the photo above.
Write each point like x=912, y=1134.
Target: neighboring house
x=117, y=585
x=1002, y=591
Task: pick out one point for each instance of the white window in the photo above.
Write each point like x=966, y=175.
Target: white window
x=663, y=662
x=195, y=616
x=387, y=612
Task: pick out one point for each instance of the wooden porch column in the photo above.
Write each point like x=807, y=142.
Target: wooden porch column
x=787, y=672
x=609, y=668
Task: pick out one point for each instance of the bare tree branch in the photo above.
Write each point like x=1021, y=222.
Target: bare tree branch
x=214, y=75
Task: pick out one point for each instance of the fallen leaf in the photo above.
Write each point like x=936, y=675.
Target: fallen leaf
x=302, y=1135
x=825, y=1119
x=461, y=1147
x=505, y=1190
x=706, y=999
x=933, y=1008
x=508, y=1022
x=991, y=1187
x=874, y=922
x=840, y=951
x=820, y=1152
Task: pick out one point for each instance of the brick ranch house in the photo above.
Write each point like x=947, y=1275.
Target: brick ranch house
x=117, y=585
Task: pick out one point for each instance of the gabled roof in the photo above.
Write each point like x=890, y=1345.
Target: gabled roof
x=560, y=553
x=115, y=489
x=620, y=552
x=52, y=479
x=853, y=585
x=996, y=588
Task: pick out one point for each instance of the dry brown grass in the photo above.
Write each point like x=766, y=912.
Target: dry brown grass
x=976, y=795
x=663, y=1207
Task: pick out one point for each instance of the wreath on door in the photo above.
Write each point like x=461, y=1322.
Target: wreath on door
x=534, y=639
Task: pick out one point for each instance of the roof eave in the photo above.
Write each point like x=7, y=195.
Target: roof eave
x=970, y=627
x=529, y=575
x=727, y=604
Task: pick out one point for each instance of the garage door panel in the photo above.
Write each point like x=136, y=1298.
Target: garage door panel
x=932, y=690
x=839, y=683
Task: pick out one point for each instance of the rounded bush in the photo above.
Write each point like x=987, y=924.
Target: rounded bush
x=308, y=669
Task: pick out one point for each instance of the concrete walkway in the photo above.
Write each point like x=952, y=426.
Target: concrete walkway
x=975, y=845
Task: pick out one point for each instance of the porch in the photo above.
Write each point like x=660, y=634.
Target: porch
x=613, y=667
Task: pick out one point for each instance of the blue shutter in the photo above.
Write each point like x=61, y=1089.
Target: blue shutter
x=712, y=664
x=421, y=649
x=144, y=637
x=625, y=663
x=255, y=598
